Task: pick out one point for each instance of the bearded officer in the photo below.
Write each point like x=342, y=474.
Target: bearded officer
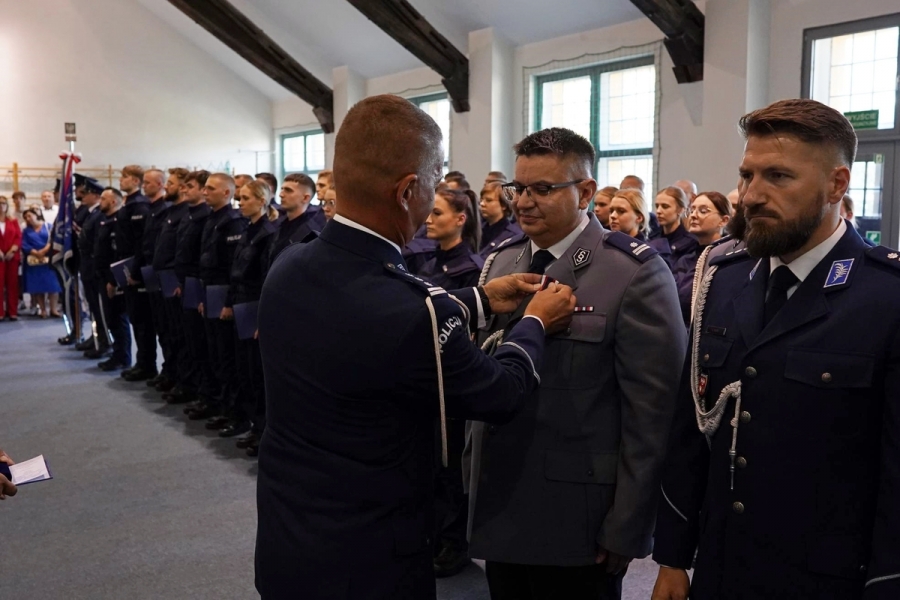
x=789, y=486
x=346, y=462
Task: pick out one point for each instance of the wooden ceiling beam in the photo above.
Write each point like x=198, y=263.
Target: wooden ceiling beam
x=683, y=25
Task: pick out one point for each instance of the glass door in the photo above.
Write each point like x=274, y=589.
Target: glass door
x=876, y=192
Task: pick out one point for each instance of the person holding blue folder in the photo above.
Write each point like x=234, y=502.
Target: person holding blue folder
x=248, y=272
x=222, y=232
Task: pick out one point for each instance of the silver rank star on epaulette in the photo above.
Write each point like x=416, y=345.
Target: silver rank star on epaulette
x=584, y=309
x=638, y=248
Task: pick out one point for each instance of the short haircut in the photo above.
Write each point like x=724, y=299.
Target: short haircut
x=38, y=214
x=454, y=175
x=162, y=174
x=269, y=179
x=635, y=199
x=116, y=191
x=18, y=195
x=461, y=183
x=133, y=171
x=564, y=143
x=301, y=179
x=200, y=176
x=180, y=173
x=502, y=194
x=608, y=192
x=325, y=173
x=722, y=204
x=496, y=176
x=640, y=185
x=228, y=179
x=677, y=194
x=807, y=120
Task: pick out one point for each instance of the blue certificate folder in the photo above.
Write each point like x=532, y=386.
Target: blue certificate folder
x=168, y=283
x=30, y=471
x=121, y=270
x=215, y=301
x=245, y=319
x=193, y=293
x=151, y=281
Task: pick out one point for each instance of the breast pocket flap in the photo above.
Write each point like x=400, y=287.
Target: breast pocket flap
x=830, y=369
x=587, y=327
x=714, y=350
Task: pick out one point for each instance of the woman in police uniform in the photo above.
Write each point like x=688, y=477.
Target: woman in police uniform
x=248, y=271
x=453, y=224
x=496, y=212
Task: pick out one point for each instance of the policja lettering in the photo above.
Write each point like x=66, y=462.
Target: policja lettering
x=448, y=328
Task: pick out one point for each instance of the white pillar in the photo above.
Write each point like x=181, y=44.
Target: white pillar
x=481, y=139
x=349, y=88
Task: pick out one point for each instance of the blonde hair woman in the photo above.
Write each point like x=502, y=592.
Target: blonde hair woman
x=628, y=213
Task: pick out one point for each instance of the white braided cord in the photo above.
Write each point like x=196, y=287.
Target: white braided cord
x=440, y=375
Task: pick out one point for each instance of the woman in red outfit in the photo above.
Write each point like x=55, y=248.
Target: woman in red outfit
x=10, y=241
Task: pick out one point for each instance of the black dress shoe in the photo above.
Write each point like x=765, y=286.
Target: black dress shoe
x=87, y=344
x=111, y=365
x=127, y=371
x=253, y=450
x=247, y=440
x=192, y=406
x=166, y=385
x=217, y=422
x=179, y=396
x=235, y=428
x=95, y=354
x=158, y=379
x=66, y=341
x=204, y=412
x=139, y=374
x=450, y=562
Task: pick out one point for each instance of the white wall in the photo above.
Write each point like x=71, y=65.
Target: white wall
x=138, y=91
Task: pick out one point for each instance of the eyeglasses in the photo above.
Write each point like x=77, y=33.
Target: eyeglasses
x=541, y=189
x=702, y=211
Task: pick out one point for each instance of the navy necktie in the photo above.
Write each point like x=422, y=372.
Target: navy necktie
x=539, y=261
x=780, y=281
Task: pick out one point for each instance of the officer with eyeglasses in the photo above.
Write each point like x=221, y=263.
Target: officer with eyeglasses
x=564, y=495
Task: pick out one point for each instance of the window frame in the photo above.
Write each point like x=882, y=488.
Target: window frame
x=292, y=135
x=595, y=72
x=420, y=100
x=811, y=35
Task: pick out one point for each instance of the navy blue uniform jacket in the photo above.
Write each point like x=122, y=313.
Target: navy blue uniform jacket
x=344, y=494
x=814, y=509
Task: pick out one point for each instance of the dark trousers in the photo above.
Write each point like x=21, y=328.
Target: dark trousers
x=198, y=356
x=92, y=293
x=138, y=304
x=186, y=372
x=451, y=503
x=536, y=582
x=220, y=337
x=116, y=315
x=250, y=377
x=163, y=331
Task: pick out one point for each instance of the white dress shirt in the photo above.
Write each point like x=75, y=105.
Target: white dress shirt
x=560, y=247
x=804, y=264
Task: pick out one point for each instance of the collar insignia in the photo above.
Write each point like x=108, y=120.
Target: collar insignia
x=840, y=271
x=521, y=254
x=581, y=256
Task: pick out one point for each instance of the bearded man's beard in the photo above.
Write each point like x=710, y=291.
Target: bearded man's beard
x=765, y=239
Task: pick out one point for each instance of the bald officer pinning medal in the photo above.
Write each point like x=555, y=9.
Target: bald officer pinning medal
x=370, y=359
x=783, y=474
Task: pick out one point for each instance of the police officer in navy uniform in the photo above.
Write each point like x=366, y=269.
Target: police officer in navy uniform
x=87, y=237
x=248, y=272
x=197, y=380
x=71, y=266
x=419, y=250
x=129, y=240
x=498, y=228
x=783, y=472
x=345, y=471
x=156, y=193
x=302, y=222
x=169, y=308
x=222, y=233
x=113, y=309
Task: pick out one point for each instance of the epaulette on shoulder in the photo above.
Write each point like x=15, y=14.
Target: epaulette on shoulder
x=511, y=242
x=885, y=255
x=401, y=273
x=721, y=240
x=638, y=250
x=728, y=257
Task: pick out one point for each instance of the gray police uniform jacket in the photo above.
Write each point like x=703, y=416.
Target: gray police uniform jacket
x=807, y=506
x=580, y=465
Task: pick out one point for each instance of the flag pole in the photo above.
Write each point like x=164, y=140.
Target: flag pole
x=75, y=289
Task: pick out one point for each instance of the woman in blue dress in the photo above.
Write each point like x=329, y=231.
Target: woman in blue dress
x=40, y=280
